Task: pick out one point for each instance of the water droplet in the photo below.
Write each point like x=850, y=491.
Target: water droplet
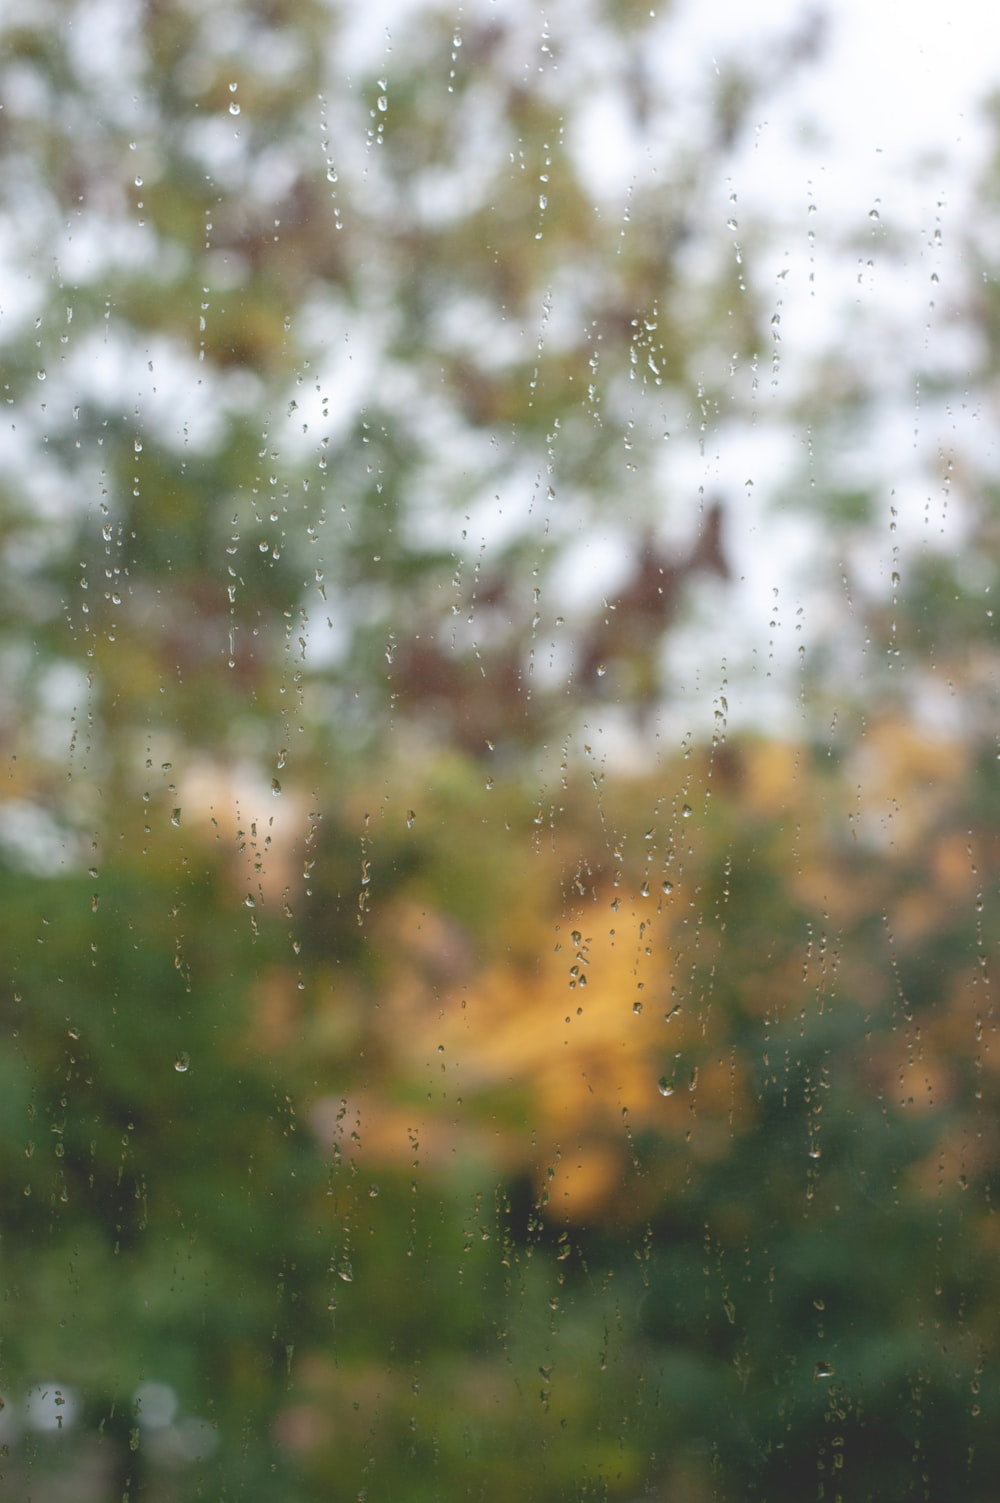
x=410, y=819
x=346, y=1272
x=665, y=1086
x=602, y=669
x=667, y=885
x=182, y=1063
x=686, y=811
x=823, y=1370
x=175, y=817
x=275, y=787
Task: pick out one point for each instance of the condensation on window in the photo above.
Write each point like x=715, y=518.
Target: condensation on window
x=498, y=704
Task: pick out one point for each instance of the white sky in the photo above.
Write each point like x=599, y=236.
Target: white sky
x=896, y=86
x=888, y=119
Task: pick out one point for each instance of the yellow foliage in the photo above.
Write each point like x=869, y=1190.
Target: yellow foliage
x=573, y=1031
x=571, y=1054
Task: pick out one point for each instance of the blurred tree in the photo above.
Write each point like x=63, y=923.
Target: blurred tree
x=401, y=1097
x=287, y=320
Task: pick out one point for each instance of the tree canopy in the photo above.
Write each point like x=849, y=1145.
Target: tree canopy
x=499, y=920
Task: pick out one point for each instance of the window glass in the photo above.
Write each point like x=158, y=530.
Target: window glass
x=500, y=815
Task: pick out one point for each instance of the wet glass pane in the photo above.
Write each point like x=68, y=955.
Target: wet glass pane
x=498, y=709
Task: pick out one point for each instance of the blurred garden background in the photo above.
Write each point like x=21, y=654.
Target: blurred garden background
x=500, y=816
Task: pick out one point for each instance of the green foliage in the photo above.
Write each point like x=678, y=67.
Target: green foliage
x=435, y=1103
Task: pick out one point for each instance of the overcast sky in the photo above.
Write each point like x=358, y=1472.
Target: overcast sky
x=884, y=136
